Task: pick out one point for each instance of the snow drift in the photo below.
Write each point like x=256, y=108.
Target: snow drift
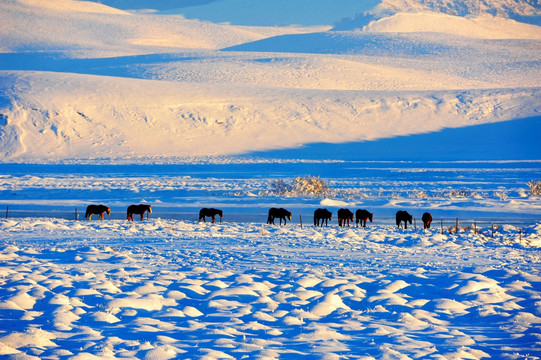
x=84, y=80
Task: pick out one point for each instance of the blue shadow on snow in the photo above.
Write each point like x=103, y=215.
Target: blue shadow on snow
x=506, y=140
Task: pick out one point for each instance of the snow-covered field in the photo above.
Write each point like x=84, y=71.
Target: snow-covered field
x=170, y=287
x=396, y=105
x=178, y=289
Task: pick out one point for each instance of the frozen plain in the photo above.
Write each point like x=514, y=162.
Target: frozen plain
x=106, y=105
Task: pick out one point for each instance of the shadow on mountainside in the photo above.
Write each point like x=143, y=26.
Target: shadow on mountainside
x=507, y=140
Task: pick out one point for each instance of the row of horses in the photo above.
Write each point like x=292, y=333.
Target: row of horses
x=132, y=209
x=141, y=209
x=345, y=216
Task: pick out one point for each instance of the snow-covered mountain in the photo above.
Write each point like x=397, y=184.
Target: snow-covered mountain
x=84, y=80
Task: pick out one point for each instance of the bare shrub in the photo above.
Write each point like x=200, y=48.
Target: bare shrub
x=301, y=185
x=535, y=187
x=280, y=187
x=310, y=185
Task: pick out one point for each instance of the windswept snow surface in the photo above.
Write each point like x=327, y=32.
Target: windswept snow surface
x=397, y=105
x=166, y=289
x=83, y=80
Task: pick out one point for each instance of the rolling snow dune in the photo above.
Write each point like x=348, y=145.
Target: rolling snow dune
x=85, y=29
x=66, y=116
x=483, y=27
x=83, y=80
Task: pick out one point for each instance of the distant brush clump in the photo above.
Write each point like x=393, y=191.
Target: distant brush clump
x=301, y=186
x=535, y=187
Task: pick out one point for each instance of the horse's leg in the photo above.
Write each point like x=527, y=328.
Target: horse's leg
x=90, y=217
x=213, y=219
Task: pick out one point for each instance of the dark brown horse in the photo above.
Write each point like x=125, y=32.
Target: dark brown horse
x=343, y=216
x=278, y=213
x=204, y=212
x=403, y=216
x=323, y=215
x=361, y=216
x=427, y=220
x=139, y=210
x=98, y=210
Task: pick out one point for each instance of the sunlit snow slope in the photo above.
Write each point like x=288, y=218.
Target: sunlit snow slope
x=82, y=80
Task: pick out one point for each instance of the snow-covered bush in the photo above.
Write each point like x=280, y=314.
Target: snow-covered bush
x=535, y=187
x=301, y=185
x=310, y=185
x=280, y=187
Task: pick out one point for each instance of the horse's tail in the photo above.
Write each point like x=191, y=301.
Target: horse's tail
x=87, y=213
x=128, y=214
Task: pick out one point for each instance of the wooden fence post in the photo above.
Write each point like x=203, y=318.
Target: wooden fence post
x=493, y=230
x=300, y=218
x=474, y=227
x=76, y=215
x=7, y=210
x=414, y=224
x=442, y=226
x=456, y=232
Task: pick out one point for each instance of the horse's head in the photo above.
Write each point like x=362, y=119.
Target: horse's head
x=289, y=216
x=221, y=213
x=150, y=209
x=370, y=216
x=108, y=211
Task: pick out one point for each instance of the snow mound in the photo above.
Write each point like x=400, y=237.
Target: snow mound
x=482, y=27
x=86, y=29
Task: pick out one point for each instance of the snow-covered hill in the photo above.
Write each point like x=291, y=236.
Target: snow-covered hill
x=345, y=13
x=82, y=80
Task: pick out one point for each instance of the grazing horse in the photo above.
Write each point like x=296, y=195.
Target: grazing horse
x=278, y=213
x=138, y=209
x=97, y=209
x=323, y=215
x=427, y=220
x=361, y=216
x=204, y=212
x=343, y=216
x=403, y=216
